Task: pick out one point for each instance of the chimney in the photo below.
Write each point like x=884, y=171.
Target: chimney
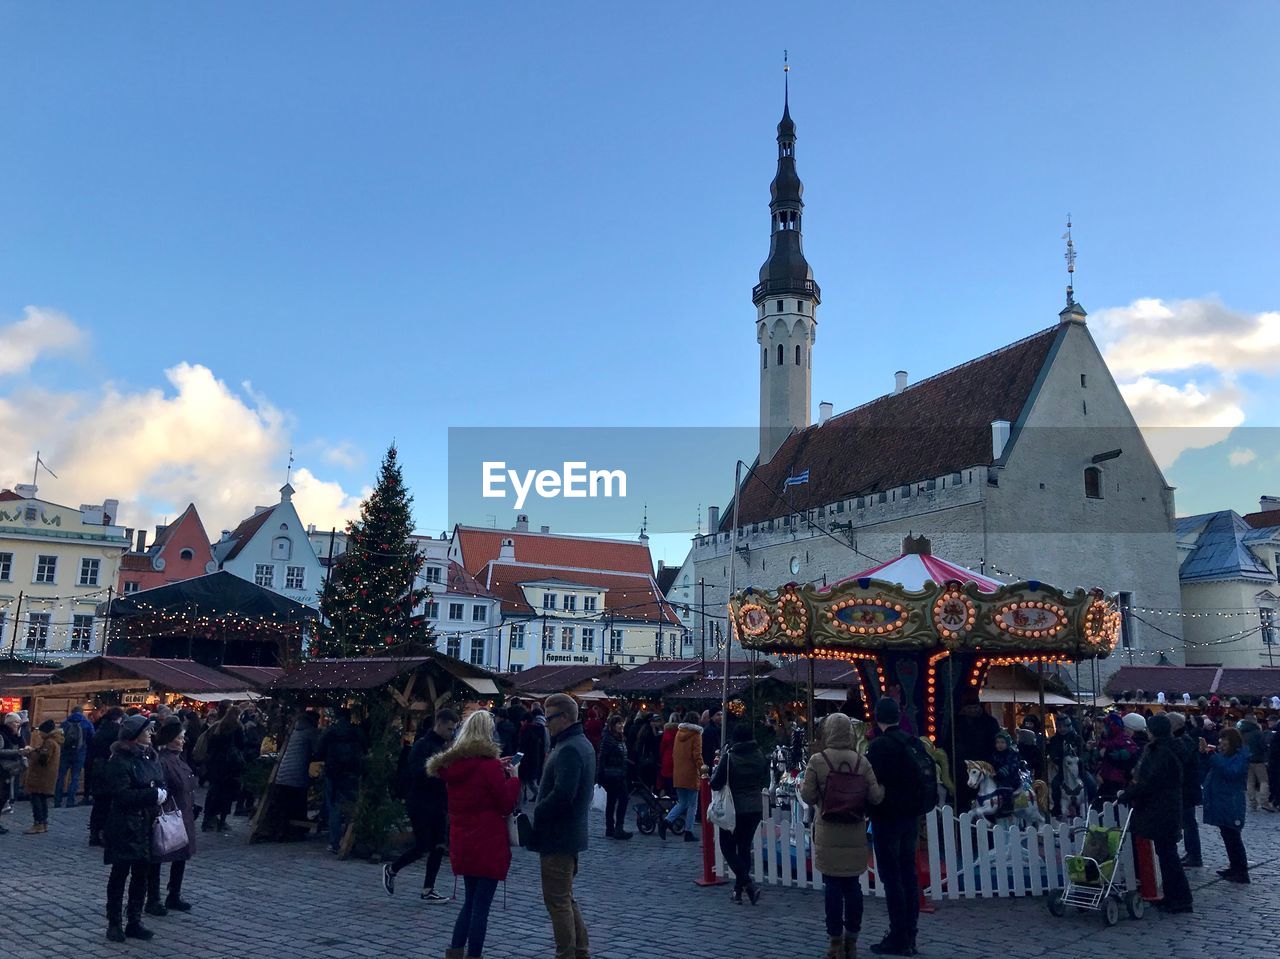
x=713, y=518
x=160, y=529
x=508, y=550
x=899, y=382
x=142, y=541
x=226, y=535
x=110, y=510
x=259, y=510
x=1269, y=503
x=522, y=523
x=25, y=490
x=544, y=529
x=824, y=412
x=999, y=438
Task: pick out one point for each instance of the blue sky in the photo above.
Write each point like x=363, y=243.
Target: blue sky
x=392, y=218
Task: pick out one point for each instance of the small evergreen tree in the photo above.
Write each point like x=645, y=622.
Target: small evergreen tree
x=369, y=601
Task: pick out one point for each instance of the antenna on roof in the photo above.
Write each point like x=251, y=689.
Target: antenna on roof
x=786, y=78
x=1070, y=256
x=288, y=473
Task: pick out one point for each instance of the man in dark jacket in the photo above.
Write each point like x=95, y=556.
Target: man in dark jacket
x=77, y=733
x=1255, y=743
x=1189, y=756
x=224, y=766
x=712, y=736
x=427, y=805
x=975, y=739
x=895, y=830
x=342, y=749
x=1156, y=800
x=560, y=822
x=96, y=759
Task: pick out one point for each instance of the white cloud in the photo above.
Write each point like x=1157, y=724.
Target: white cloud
x=157, y=450
x=342, y=454
x=1152, y=336
x=1241, y=457
x=39, y=331
x=1175, y=419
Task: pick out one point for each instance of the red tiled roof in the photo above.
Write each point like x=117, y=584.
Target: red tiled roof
x=245, y=532
x=480, y=546
x=462, y=582
x=629, y=596
x=136, y=563
x=1263, y=519
x=1259, y=681
x=1173, y=681
x=8, y=496
x=937, y=426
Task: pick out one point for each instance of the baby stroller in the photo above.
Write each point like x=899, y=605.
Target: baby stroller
x=1095, y=880
x=651, y=807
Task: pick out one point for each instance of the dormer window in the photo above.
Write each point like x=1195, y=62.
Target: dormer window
x=187, y=554
x=281, y=547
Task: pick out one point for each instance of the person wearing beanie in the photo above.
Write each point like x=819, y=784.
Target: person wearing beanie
x=134, y=780
x=1188, y=754
x=180, y=781
x=12, y=752
x=895, y=829
x=1156, y=800
x=839, y=843
x=43, y=758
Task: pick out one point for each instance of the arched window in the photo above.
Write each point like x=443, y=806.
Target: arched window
x=797, y=354
x=188, y=554
x=281, y=548
x=765, y=360
x=780, y=356
x=1093, y=483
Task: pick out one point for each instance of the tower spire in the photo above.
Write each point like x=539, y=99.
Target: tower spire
x=1072, y=311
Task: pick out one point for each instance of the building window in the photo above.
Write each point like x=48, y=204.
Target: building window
x=570, y=603
x=764, y=363
x=432, y=610
x=566, y=638
x=38, y=630
x=588, y=639
x=264, y=574
x=479, y=614
x=688, y=638
x=1267, y=619
x=295, y=577
x=615, y=641
x=778, y=308
x=46, y=569
x=780, y=354
x=455, y=612
x=81, y=632
x=797, y=354
x=6, y=567
x=1083, y=382
x=548, y=637
x=1093, y=483
x=453, y=646
x=4, y=617
x=548, y=600
x=187, y=555
x=432, y=574
x=131, y=586
x=1125, y=601
x=477, y=650
x=517, y=636
x=589, y=604
x=800, y=306
x=516, y=667
x=281, y=547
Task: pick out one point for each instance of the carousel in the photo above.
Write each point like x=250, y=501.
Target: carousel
x=926, y=630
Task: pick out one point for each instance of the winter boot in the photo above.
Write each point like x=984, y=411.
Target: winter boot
x=455, y=954
x=136, y=930
x=835, y=950
x=662, y=827
x=850, y=947
x=156, y=909
x=95, y=837
x=689, y=836
x=115, y=932
x=177, y=903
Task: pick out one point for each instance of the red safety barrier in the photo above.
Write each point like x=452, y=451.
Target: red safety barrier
x=1144, y=859
x=709, y=877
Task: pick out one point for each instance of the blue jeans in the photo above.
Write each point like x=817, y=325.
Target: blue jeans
x=895, y=845
x=686, y=805
x=339, y=794
x=73, y=764
x=473, y=919
x=843, y=900
x=1191, y=832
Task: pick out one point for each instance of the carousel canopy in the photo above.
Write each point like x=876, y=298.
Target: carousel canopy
x=912, y=570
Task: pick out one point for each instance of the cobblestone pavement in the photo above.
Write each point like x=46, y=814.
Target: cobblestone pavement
x=639, y=900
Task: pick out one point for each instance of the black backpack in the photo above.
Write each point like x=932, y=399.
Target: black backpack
x=923, y=797
x=72, y=735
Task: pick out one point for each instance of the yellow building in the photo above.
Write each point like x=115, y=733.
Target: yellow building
x=56, y=565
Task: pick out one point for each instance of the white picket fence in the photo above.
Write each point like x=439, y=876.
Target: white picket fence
x=968, y=857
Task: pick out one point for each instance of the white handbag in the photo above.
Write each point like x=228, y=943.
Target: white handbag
x=720, y=811
x=168, y=832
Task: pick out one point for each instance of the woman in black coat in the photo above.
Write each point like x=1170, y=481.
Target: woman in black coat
x=1156, y=800
x=134, y=780
x=181, y=783
x=611, y=773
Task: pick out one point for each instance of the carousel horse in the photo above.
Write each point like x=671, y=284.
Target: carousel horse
x=1030, y=801
x=1074, y=801
x=946, y=788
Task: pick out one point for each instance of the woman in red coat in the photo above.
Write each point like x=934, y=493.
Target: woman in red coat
x=667, y=756
x=483, y=792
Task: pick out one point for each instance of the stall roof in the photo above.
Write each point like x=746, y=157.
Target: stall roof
x=550, y=678
x=826, y=673
x=169, y=675
x=1173, y=681
x=712, y=688
x=370, y=672
x=258, y=677
x=215, y=595
x=1258, y=681
x=654, y=677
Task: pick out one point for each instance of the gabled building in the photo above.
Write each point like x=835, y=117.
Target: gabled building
x=179, y=552
x=271, y=549
x=1230, y=576
x=56, y=566
x=570, y=600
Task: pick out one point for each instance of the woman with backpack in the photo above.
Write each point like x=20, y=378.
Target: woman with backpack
x=745, y=771
x=841, y=783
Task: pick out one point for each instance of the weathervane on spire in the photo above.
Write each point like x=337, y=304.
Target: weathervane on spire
x=1070, y=256
x=786, y=76
x=288, y=473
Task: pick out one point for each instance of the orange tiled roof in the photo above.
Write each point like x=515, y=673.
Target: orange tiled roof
x=629, y=595
x=481, y=546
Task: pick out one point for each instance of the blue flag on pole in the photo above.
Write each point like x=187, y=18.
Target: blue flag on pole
x=797, y=479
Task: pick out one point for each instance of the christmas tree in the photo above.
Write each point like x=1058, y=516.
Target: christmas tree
x=369, y=602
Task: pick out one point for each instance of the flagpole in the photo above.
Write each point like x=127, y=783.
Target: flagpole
x=733, y=579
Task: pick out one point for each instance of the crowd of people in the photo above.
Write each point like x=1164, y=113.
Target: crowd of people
x=466, y=780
